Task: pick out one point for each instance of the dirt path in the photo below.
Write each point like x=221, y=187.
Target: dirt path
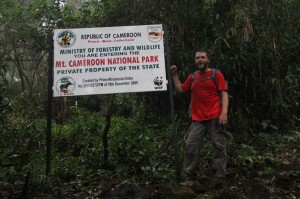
x=282, y=182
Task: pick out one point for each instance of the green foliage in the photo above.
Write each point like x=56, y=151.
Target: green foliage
x=83, y=129
x=260, y=64
x=249, y=156
x=22, y=143
x=135, y=151
x=255, y=44
x=4, y=102
x=274, y=147
x=139, y=150
x=267, y=171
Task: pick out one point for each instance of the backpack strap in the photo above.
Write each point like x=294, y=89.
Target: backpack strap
x=212, y=77
x=193, y=76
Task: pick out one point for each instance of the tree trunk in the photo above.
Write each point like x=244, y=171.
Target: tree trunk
x=105, y=140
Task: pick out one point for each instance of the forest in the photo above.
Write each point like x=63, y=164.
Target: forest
x=123, y=145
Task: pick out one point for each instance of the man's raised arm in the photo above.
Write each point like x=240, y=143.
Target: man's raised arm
x=175, y=77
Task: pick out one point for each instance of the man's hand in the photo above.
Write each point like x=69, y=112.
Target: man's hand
x=175, y=78
x=223, y=119
x=173, y=70
x=225, y=100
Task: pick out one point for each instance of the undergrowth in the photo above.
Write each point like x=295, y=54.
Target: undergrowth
x=139, y=153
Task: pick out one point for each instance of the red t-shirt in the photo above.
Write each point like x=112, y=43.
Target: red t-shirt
x=205, y=98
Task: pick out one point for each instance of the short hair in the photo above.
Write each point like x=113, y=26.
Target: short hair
x=204, y=51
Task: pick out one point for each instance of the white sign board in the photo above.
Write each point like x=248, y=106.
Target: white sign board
x=109, y=60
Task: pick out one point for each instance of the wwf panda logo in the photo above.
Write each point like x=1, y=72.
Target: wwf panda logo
x=158, y=81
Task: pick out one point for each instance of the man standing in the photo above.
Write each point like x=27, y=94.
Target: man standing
x=209, y=105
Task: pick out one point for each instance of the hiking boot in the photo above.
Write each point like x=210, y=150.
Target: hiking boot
x=217, y=182
x=189, y=177
x=195, y=186
x=210, y=172
x=188, y=183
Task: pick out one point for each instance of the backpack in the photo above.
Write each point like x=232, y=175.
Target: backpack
x=212, y=77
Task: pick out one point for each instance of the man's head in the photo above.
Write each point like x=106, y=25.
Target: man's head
x=202, y=58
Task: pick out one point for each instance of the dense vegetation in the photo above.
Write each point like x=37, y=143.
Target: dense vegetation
x=256, y=44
